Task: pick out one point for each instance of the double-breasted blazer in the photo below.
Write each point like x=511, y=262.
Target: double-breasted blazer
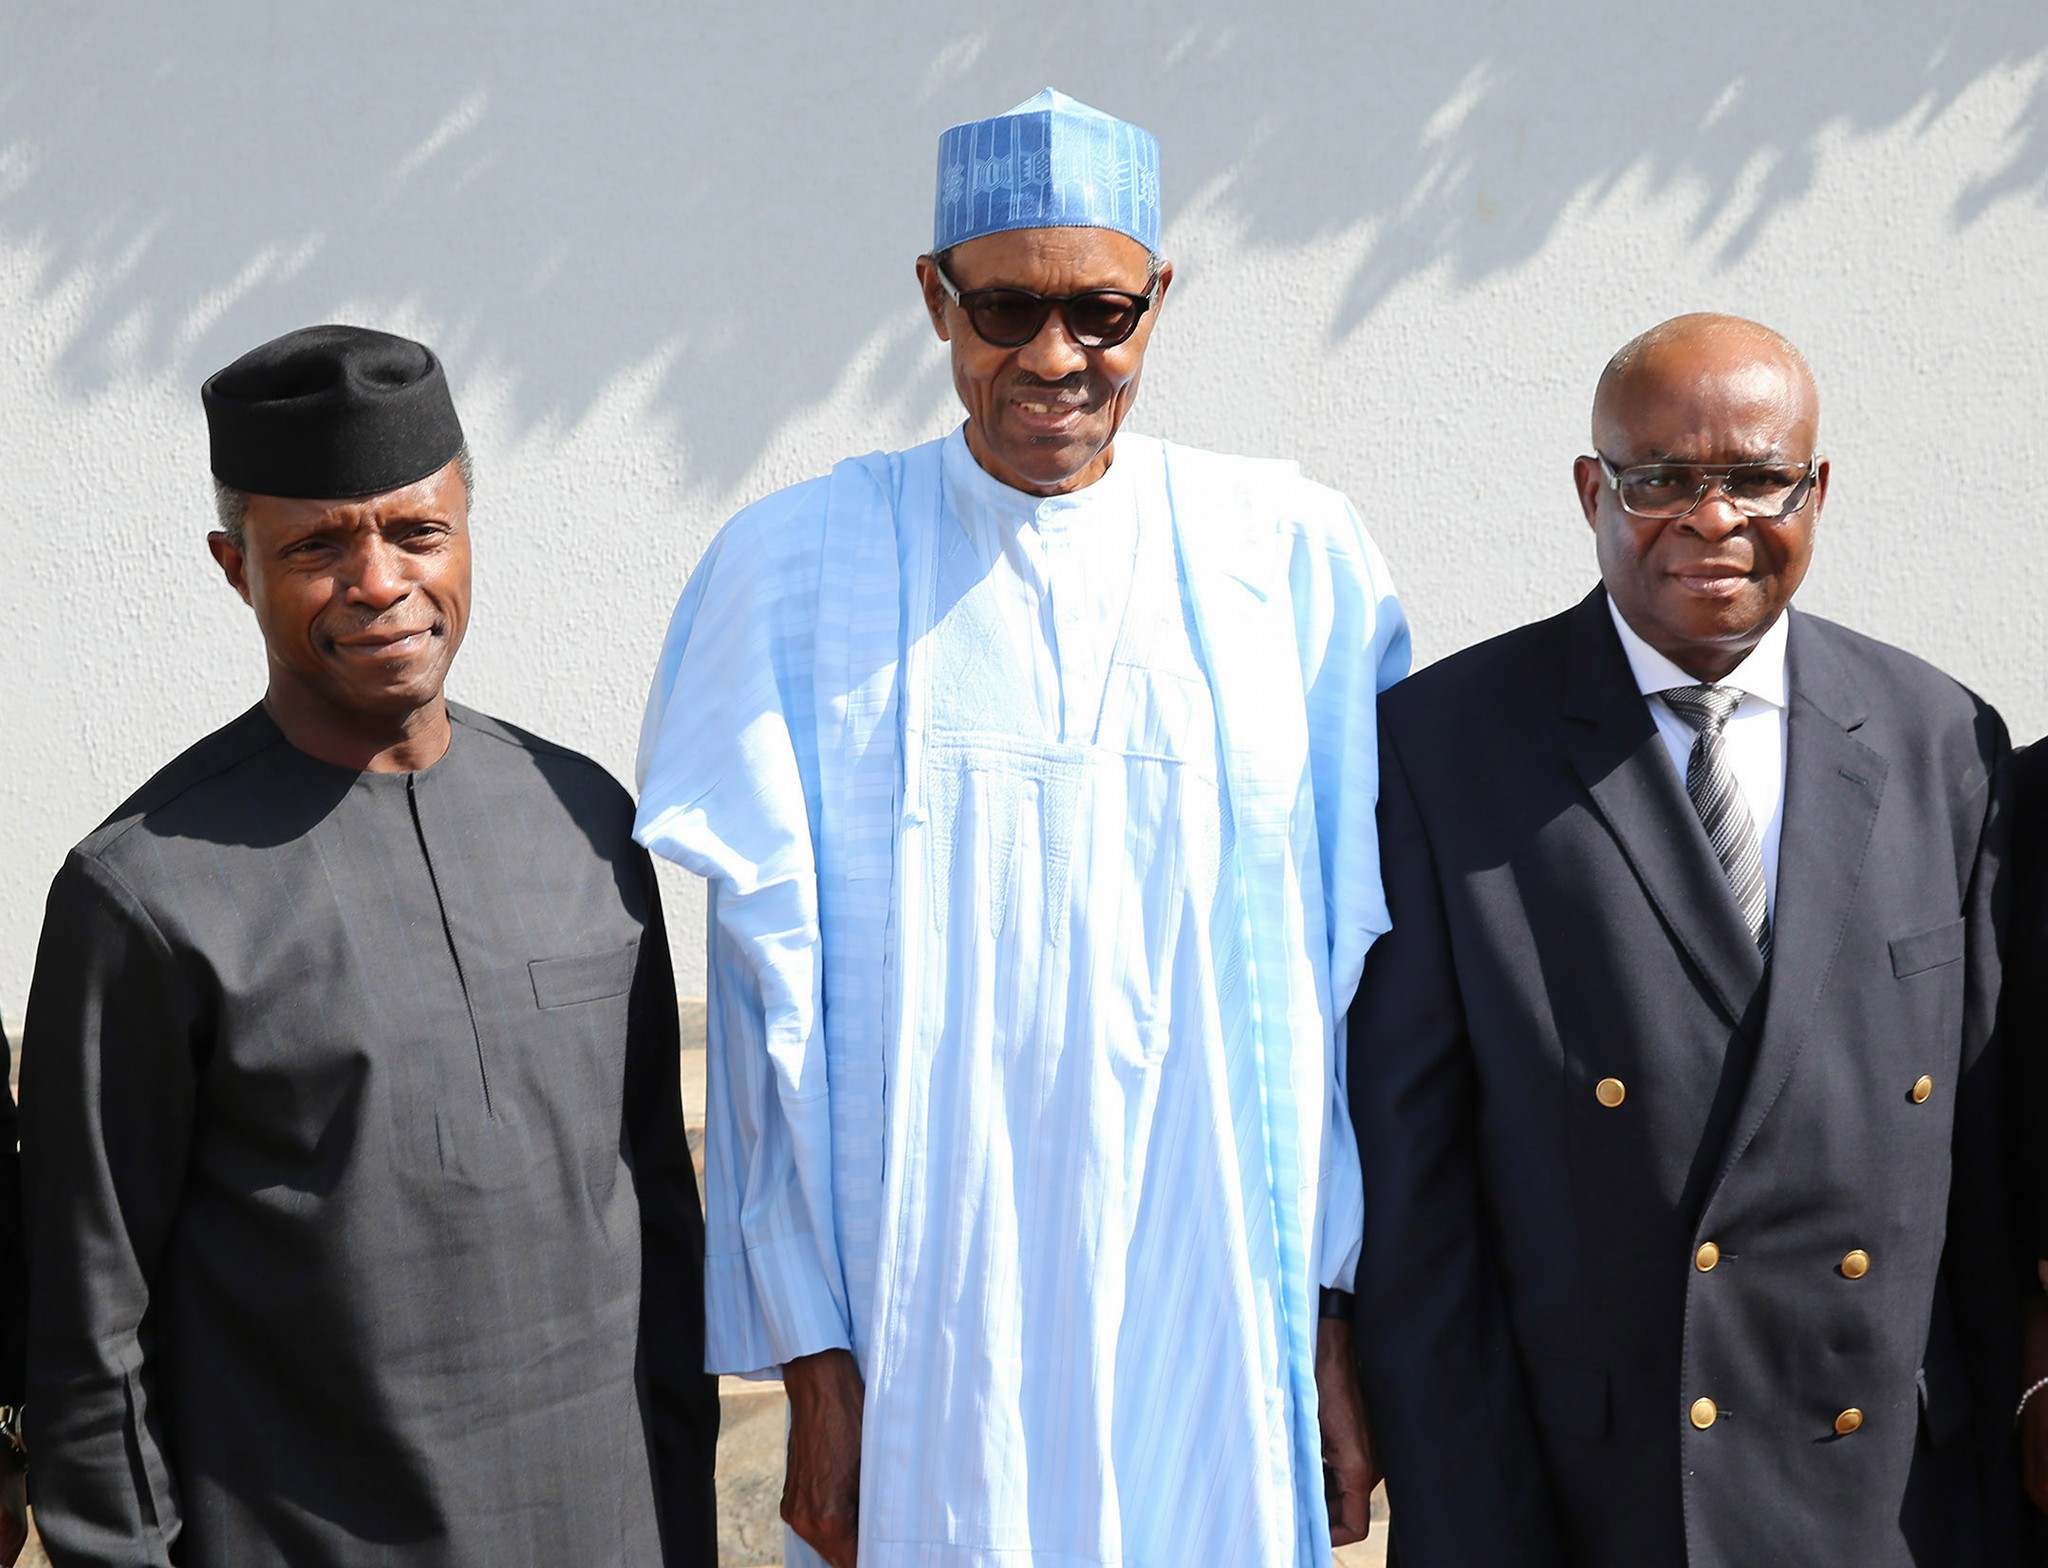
x=1672, y=1257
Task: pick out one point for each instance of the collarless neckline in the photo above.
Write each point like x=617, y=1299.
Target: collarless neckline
x=366, y=777
x=971, y=484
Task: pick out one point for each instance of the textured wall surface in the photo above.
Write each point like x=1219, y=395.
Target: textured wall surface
x=666, y=252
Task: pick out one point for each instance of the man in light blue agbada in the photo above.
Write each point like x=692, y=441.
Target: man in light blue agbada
x=1032, y=772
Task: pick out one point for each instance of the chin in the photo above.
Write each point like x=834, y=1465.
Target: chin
x=1714, y=619
x=1742, y=623
x=400, y=695
x=1051, y=469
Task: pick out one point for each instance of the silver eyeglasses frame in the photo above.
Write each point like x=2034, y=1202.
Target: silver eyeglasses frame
x=1712, y=476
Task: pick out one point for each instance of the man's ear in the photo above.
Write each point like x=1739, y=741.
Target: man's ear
x=934, y=296
x=234, y=566
x=1589, y=481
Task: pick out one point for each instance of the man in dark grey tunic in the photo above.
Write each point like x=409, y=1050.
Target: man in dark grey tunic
x=360, y=1208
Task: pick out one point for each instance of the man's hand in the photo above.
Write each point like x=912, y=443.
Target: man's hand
x=821, y=1486
x=13, y=1513
x=2034, y=1419
x=1347, y=1443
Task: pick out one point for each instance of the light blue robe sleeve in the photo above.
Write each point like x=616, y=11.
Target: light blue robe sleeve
x=728, y=789
x=1354, y=643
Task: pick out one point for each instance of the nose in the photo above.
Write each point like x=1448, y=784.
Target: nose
x=380, y=579
x=1715, y=517
x=1053, y=355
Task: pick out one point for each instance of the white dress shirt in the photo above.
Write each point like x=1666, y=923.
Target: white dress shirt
x=1754, y=736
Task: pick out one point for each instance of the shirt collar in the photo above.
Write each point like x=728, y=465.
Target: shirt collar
x=1761, y=674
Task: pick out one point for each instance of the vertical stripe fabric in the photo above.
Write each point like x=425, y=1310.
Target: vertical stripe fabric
x=1078, y=1262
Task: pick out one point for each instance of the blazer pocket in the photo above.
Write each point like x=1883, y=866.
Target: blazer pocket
x=1928, y=949
x=583, y=977
x=1570, y=1395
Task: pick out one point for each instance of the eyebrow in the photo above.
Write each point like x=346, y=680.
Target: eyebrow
x=337, y=530
x=1773, y=455
x=292, y=533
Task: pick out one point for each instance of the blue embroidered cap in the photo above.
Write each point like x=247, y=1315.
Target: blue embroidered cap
x=1049, y=163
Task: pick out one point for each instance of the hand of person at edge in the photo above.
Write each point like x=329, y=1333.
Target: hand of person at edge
x=13, y=1514
x=1348, y=1460
x=2034, y=1419
x=821, y=1487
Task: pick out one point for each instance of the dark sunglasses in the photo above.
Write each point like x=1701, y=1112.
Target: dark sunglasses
x=1010, y=318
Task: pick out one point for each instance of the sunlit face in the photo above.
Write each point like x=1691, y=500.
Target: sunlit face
x=1704, y=588
x=361, y=603
x=1041, y=418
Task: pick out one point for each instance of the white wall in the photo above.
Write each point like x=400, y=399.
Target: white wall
x=666, y=252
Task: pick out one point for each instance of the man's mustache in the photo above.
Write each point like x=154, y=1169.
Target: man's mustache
x=1074, y=385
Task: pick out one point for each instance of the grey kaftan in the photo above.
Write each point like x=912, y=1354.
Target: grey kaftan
x=355, y=1164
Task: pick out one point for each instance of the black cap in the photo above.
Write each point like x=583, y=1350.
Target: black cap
x=330, y=412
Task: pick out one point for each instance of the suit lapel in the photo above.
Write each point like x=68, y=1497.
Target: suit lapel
x=1833, y=783
x=1613, y=743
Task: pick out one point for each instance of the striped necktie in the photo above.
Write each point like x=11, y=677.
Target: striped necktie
x=1718, y=799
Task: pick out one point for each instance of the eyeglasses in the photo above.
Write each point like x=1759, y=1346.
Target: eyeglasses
x=1668, y=490
x=1010, y=318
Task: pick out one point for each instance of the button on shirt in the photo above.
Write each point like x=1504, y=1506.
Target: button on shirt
x=1754, y=736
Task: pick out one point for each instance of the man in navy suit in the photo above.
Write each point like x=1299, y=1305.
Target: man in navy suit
x=1688, y=1232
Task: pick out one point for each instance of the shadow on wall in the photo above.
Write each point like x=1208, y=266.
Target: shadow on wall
x=717, y=207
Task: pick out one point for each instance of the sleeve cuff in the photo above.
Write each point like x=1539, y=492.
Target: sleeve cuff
x=766, y=1306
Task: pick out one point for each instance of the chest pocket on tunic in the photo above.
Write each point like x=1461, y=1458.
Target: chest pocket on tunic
x=583, y=977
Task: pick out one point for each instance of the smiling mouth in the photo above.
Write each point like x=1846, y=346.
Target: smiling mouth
x=392, y=647
x=1051, y=413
